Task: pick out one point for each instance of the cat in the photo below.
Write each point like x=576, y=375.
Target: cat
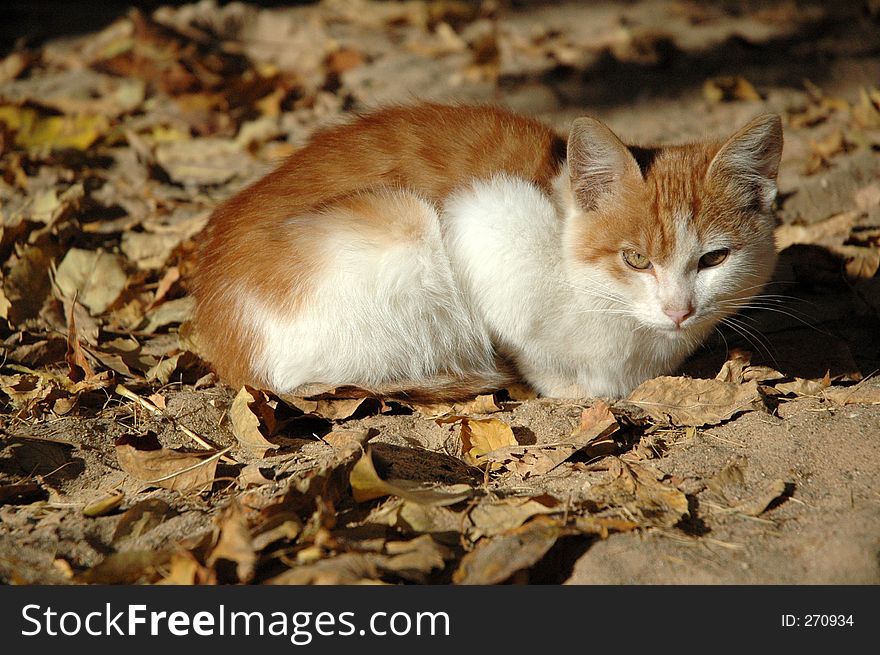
x=435, y=252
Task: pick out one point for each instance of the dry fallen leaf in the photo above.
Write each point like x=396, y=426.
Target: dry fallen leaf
x=413, y=560
x=344, y=569
x=184, y=569
x=480, y=437
x=96, y=278
x=246, y=422
x=35, y=130
x=860, y=394
x=367, y=485
x=496, y=559
x=682, y=401
x=104, y=506
x=637, y=489
x=489, y=518
x=142, y=517
x=759, y=503
x=234, y=544
x=593, y=436
x=144, y=458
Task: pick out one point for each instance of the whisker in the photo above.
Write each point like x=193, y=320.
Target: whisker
x=751, y=335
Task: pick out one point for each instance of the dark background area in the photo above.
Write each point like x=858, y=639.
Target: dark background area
x=30, y=24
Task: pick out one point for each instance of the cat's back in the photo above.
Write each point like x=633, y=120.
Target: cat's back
x=429, y=149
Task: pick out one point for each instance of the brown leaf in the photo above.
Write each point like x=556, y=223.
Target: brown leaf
x=128, y=567
x=413, y=560
x=95, y=278
x=593, y=436
x=344, y=569
x=760, y=502
x=245, y=415
x=489, y=518
x=860, y=394
x=79, y=367
x=145, y=459
x=367, y=485
x=207, y=161
x=142, y=517
x=832, y=231
x=26, y=285
x=802, y=387
x=496, y=559
x=234, y=544
x=636, y=489
x=602, y=526
x=694, y=402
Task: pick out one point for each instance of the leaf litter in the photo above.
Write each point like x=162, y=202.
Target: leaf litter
x=117, y=146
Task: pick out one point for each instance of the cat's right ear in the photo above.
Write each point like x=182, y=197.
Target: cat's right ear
x=598, y=162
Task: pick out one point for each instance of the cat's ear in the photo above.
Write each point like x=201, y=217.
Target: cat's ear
x=598, y=162
x=748, y=161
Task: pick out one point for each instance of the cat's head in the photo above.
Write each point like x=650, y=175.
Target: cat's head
x=681, y=235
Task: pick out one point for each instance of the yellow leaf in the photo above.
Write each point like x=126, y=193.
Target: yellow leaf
x=367, y=485
x=479, y=437
x=35, y=130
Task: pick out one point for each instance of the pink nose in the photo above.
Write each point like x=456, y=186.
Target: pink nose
x=679, y=315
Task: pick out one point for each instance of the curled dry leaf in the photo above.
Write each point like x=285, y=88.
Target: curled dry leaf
x=485, y=404
x=490, y=518
x=367, y=485
x=332, y=403
x=637, y=489
x=104, y=506
x=234, y=544
x=79, y=367
x=593, y=436
x=413, y=560
x=760, y=502
x=245, y=415
x=682, y=401
x=206, y=161
x=496, y=559
x=142, y=517
x=860, y=394
x=480, y=437
x=144, y=458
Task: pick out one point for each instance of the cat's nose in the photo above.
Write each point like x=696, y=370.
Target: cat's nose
x=679, y=315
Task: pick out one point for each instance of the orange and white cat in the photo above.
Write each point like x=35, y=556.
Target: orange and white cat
x=438, y=251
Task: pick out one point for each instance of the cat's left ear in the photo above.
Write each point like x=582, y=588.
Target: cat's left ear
x=749, y=160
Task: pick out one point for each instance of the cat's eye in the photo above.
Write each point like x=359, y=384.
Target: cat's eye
x=636, y=260
x=714, y=258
